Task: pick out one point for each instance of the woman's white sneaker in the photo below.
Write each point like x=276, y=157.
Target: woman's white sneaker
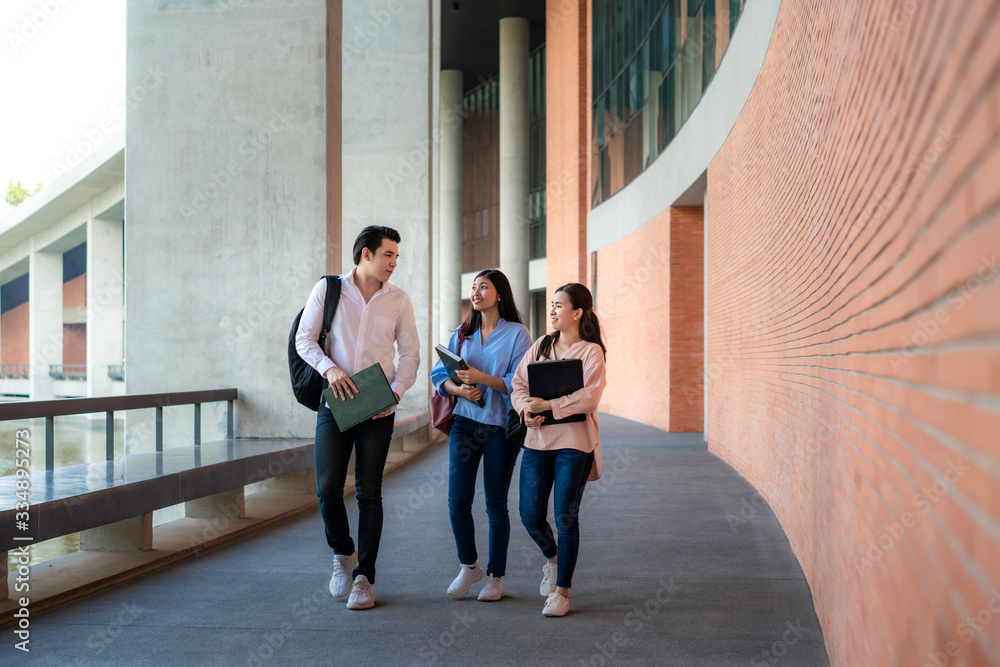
x=493, y=590
x=468, y=575
x=548, y=586
x=556, y=605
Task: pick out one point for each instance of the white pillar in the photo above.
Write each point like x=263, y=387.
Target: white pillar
x=105, y=303
x=514, y=157
x=45, y=319
x=450, y=289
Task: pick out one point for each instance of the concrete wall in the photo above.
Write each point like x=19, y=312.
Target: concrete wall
x=390, y=145
x=225, y=201
x=852, y=358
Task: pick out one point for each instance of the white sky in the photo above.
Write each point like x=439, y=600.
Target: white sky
x=61, y=76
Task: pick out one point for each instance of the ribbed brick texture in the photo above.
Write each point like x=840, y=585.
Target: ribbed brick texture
x=853, y=350
x=567, y=100
x=650, y=304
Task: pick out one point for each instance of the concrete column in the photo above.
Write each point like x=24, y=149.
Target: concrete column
x=135, y=534
x=514, y=157
x=45, y=319
x=450, y=233
x=105, y=303
x=226, y=202
x=391, y=146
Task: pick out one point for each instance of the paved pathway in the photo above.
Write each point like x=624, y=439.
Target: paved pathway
x=663, y=579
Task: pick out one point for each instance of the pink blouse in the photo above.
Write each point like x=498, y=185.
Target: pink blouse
x=577, y=435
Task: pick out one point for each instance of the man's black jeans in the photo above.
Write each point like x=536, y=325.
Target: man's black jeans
x=370, y=440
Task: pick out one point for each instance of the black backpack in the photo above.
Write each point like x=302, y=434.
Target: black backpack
x=307, y=383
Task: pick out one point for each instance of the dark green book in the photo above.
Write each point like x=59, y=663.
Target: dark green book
x=373, y=396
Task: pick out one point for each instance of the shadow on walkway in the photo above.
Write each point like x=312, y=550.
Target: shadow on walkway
x=664, y=578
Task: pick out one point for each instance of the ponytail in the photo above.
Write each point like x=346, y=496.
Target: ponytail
x=590, y=329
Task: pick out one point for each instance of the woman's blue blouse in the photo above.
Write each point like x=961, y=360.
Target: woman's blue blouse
x=498, y=357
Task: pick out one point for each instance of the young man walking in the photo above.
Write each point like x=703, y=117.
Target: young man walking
x=373, y=320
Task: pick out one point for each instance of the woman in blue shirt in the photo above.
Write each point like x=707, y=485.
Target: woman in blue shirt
x=494, y=342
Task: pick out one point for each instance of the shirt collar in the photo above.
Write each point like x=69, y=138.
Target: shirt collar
x=386, y=286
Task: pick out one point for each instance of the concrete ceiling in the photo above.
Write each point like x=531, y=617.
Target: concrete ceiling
x=470, y=34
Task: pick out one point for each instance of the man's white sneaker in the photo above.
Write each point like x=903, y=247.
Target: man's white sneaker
x=556, y=605
x=468, y=575
x=493, y=590
x=548, y=586
x=362, y=595
x=343, y=567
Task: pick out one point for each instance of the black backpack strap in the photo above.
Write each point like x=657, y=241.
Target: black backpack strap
x=329, y=307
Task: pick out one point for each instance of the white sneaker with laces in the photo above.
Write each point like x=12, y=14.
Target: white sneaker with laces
x=548, y=586
x=343, y=567
x=362, y=595
x=468, y=575
x=556, y=605
x=493, y=590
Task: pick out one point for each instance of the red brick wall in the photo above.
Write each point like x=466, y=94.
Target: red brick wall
x=567, y=100
x=650, y=304
x=74, y=343
x=75, y=292
x=14, y=340
x=480, y=191
x=853, y=319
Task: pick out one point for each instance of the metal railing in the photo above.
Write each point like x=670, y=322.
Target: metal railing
x=15, y=371
x=109, y=405
x=68, y=371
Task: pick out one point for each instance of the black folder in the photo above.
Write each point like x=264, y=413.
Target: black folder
x=452, y=362
x=552, y=379
x=374, y=395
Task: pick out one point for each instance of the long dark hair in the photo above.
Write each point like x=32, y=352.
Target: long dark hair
x=590, y=328
x=508, y=309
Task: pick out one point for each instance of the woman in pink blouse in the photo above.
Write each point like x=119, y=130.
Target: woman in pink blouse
x=560, y=456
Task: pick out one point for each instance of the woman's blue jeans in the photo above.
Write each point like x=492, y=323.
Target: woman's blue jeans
x=370, y=442
x=566, y=470
x=470, y=442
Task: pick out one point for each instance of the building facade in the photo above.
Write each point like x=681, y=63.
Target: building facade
x=787, y=212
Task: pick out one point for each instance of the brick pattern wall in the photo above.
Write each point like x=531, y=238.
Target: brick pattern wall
x=74, y=343
x=75, y=292
x=649, y=301
x=854, y=318
x=567, y=99
x=14, y=348
x=687, y=314
x=480, y=191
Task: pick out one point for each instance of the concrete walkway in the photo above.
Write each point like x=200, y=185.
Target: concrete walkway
x=663, y=579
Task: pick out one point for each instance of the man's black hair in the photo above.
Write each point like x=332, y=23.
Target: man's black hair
x=371, y=238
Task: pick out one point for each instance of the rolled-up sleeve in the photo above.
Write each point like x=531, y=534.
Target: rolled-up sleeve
x=310, y=326
x=408, y=347
x=585, y=400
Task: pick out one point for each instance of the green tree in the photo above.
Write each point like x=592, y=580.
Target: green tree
x=15, y=194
